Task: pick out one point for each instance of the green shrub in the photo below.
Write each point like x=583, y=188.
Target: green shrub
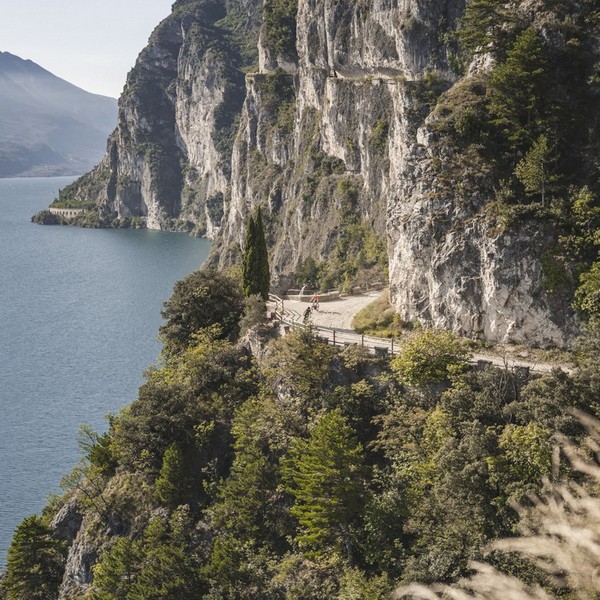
x=201, y=299
x=279, y=33
x=430, y=357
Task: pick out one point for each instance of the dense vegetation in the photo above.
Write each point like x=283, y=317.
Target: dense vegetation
x=280, y=468
x=302, y=471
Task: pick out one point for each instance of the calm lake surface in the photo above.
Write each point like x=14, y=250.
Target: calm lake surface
x=79, y=317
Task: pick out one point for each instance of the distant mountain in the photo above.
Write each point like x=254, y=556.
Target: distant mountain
x=47, y=125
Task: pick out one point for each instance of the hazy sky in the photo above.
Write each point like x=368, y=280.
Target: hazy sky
x=90, y=43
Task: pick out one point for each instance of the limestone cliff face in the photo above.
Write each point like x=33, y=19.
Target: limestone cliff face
x=168, y=160
x=333, y=131
x=362, y=88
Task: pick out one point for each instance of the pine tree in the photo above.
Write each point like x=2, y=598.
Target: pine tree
x=36, y=562
x=532, y=170
x=324, y=474
x=255, y=265
x=480, y=27
x=518, y=90
x=172, y=484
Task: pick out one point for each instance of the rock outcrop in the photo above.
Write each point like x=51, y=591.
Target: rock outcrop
x=334, y=129
x=168, y=160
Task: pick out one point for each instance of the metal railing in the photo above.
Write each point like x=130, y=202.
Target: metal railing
x=336, y=337
x=383, y=347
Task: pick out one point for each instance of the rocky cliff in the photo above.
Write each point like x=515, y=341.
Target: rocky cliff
x=168, y=159
x=341, y=134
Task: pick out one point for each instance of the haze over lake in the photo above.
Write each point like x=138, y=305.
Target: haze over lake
x=79, y=317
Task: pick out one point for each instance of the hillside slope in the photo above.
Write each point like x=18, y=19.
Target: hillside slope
x=47, y=125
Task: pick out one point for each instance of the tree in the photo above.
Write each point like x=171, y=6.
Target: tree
x=532, y=170
x=201, y=299
x=36, y=561
x=587, y=296
x=482, y=26
x=324, y=473
x=245, y=496
x=525, y=459
x=117, y=569
x=255, y=265
x=430, y=357
x=300, y=362
x=517, y=89
x=280, y=26
x=159, y=565
x=173, y=483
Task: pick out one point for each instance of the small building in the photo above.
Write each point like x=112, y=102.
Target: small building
x=67, y=213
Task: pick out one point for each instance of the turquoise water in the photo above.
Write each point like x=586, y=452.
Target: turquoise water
x=79, y=316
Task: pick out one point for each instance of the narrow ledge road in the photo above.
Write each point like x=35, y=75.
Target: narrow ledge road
x=333, y=323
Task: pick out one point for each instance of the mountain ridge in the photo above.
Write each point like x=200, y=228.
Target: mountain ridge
x=49, y=126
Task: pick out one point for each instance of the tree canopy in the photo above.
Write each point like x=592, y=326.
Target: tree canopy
x=255, y=266
x=203, y=298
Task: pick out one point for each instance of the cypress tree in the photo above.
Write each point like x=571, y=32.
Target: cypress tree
x=264, y=276
x=255, y=265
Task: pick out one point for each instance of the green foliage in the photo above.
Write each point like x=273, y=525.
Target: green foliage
x=307, y=272
x=483, y=26
x=73, y=203
x=36, y=562
x=525, y=459
x=201, y=299
x=189, y=401
x=518, y=89
x=214, y=207
x=158, y=565
x=378, y=318
x=587, y=297
x=585, y=210
x=279, y=33
x=359, y=256
x=430, y=357
x=45, y=217
x=356, y=585
x=379, y=135
x=301, y=363
x=97, y=450
x=115, y=573
x=533, y=171
x=325, y=475
x=255, y=313
x=172, y=485
x=278, y=96
x=246, y=497
x=256, y=277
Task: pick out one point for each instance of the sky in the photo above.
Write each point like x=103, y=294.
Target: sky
x=90, y=43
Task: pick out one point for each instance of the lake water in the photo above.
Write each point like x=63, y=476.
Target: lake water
x=79, y=316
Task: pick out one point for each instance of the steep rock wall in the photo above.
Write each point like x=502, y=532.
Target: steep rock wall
x=367, y=75
x=168, y=161
x=333, y=134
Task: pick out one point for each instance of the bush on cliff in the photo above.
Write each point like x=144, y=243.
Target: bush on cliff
x=200, y=300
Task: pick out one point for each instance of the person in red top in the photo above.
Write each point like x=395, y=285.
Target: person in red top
x=315, y=302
